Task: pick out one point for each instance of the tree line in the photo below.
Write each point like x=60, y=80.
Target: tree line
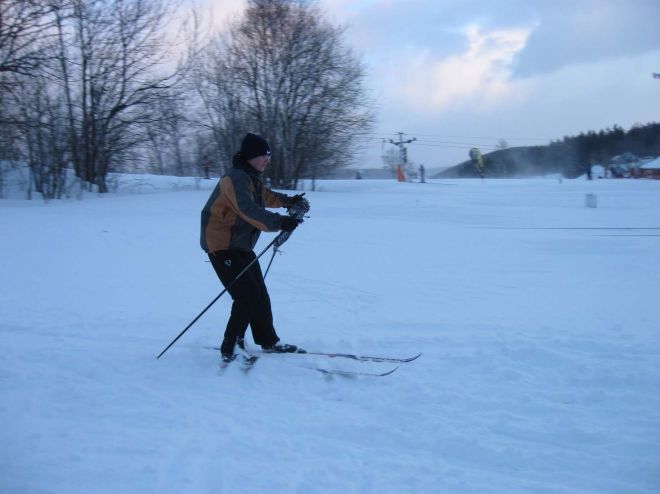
x=568, y=156
x=89, y=87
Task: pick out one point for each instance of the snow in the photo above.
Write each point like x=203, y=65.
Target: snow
x=537, y=317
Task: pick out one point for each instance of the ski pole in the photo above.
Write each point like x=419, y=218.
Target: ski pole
x=271, y=262
x=298, y=211
x=221, y=294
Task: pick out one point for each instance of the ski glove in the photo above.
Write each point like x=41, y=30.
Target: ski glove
x=289, y=223
x=293, y=200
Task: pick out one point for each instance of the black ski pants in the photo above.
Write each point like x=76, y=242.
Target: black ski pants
x=251, y=301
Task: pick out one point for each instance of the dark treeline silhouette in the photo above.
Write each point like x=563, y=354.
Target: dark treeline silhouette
x=568, y=156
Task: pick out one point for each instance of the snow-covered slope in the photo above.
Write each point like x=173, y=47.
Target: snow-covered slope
x=537, y=317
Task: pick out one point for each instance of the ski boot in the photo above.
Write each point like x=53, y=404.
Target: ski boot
x=281, y=348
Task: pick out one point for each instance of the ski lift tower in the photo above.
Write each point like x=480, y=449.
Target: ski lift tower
x=403, y=152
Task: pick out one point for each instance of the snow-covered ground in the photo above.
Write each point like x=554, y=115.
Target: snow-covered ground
x=538, y=318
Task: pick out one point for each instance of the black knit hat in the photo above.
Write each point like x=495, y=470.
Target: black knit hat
x=253, y=146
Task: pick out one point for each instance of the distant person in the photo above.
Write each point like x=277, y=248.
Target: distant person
x=422, y=178
x=232, y=220
x=358, y=175
x=478, y=161
x=206, y=165
x=588, y=169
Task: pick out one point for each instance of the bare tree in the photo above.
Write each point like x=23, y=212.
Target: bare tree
x=284, y=72
x=110, y=56
x=169, y=142
x=24, y=27
x=502, y=144
x=43, y=133
x=83, y=85
x=221, y=111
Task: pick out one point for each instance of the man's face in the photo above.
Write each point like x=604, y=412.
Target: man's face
x=259, y=163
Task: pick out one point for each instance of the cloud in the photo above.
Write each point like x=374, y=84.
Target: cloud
x=589, y=31
x=566, y=32
x=480, y=74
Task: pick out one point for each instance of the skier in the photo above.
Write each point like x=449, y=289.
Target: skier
x=232, y=220
x=587, y=168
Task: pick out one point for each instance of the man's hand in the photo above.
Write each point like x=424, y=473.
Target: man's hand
x=298, y=205
x=296, y=199
x=289, y=223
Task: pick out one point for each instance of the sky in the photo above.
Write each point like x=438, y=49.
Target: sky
x=457, y=74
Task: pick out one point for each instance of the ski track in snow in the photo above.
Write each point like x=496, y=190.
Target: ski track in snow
x=540, y=337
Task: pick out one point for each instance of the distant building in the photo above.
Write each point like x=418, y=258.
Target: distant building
x=650, y=169
x=624, y=165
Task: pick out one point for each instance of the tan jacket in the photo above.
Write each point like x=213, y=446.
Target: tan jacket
x=235, y=214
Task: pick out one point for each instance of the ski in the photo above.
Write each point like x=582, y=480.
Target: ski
x=248, y=359
x=352, y=356
x=345, y=373
x=364, y=358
